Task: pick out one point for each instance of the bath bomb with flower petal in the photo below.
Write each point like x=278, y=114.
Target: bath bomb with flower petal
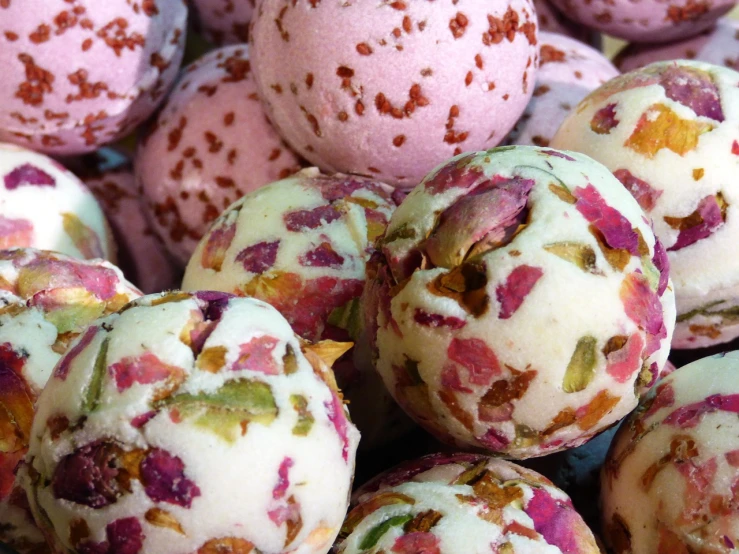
x=462, y=503
x=191, y=423
x=568, y=71
x=648, y=20
x=46, y=301
x=718, y=45
x=671, y=479
x=668, y=132
x=391, y=89
x=519, y=302
x=210, y=145
x=306, y=257
x=44, y=205
x=80, y=74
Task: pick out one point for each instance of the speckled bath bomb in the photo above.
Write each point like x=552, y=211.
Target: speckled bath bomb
x=648, y=20
x=462, y=504
x=551, y=20
x=141, y=254
x=46, y=301
x=668, y=132
x=191, y=423
x=210, y=145
x=81, y=73
x=670, y=482
x=568, y=71
x=498, y=251
x=718, y=45
x=306, y=257
x=392, y=89
x=224, y=21
x=44, y=205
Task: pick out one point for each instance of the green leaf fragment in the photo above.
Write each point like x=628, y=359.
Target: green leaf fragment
x=581, y=369
x=582, y=255
x=348, y=317
x=376, y=533
x=92, y=395
x=228, y=410
x=728, y=314
x=305, y=418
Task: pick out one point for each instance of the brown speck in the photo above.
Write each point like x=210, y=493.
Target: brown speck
x=312, y=120
x=478, y=61
x=214, y=144
x=11, y=36
x=359, y=108
x=231, y=158
x=364, y=49
x=458, y=25
x=398, y=5
x=373, y=169
x=345, y=72
x=468, y=78
x=309, y=80
x=225, y=182
x=41, y=34
x=427, y=72
x=175, y=135
x=38, y=82
x=398, y=141
x=539, y=141
x=343, y=116
x=228, y=119
x=277, y=88
x=274, y=154
x=86, y=44
x=407, y=24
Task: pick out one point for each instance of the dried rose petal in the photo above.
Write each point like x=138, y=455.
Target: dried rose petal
x=16, y=232
x=642, y=304
x=283, y=481
x=660, y=127
x=144, y=369
x=703, y=222
x=336, y=415
x=62, y=369
x=437, y=320
x=476, y=357
x=216, y=303
x=28, y=174
x=516, y=288
x=694, y=89
x=662, y=263
x=84, y=238
x=622, y=363
x=459, y=174
x=302, y=220
x=259, y=257
x=554, y=520
x=163, y=477
x=615, y=227
x=47, y=273
x=125, y=536
x=219, y=240
x=643, y=193
x=322, y=255
x=604, y=120
x=416, y=543
x=257, y=355
x=690, y=415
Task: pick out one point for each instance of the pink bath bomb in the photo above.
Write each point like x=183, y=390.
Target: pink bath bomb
x=553, y=21
x=224, y=21
x=718, y=45
x=141, y=254
x=646, y=20
x=81, y=73
x=210, y=145
x=569, y=70
x=392, y=89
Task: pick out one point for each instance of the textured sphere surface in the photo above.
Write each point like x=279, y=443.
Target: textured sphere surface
x=190, y=423
x=648, y=20
x=44, y=205
x=211, y=144
x=392, y=89
x=463, y=503
x=520, y=302
x=668, y=133
x=224, y=21
x=671, y=478
x=82, y=73
x=568, y=71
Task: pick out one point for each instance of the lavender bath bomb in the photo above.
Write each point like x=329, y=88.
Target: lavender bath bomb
x=190, y=423
x=210, y=145
x=390, y=90
x=85, y=73
x=44, y=205
x=668, y=133
x=669, y=484
x=500, y=250
x=568, y=71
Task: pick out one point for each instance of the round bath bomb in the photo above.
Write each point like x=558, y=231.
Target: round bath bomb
x=141, y=254
x=500, y=250
x=670, y=481
x=44, y=205
x=568, y=71
x=392, y=89
x=647, y=21
x=46, y=300
x=84, y=73
x=463, y=503
x=668, y=132
x=211, y=144
x=553, y=21
x=718, y=45
x=190, y=423
x=224, y=21
x=306, y=257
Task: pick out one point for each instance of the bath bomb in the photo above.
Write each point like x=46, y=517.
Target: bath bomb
x=79, y=74
x=498, y=251
x=392, y=89
x=224, y=21
x=718, y=45
x=552, y=20
x=141, y=254
x=647, y=21
x=306, y=257
x=671, y=478
x=568, y=71
x=211, y=144
x=668, y=132
x=190, y=423
x=463, y=503
x=46, y=301
x=45, y=206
